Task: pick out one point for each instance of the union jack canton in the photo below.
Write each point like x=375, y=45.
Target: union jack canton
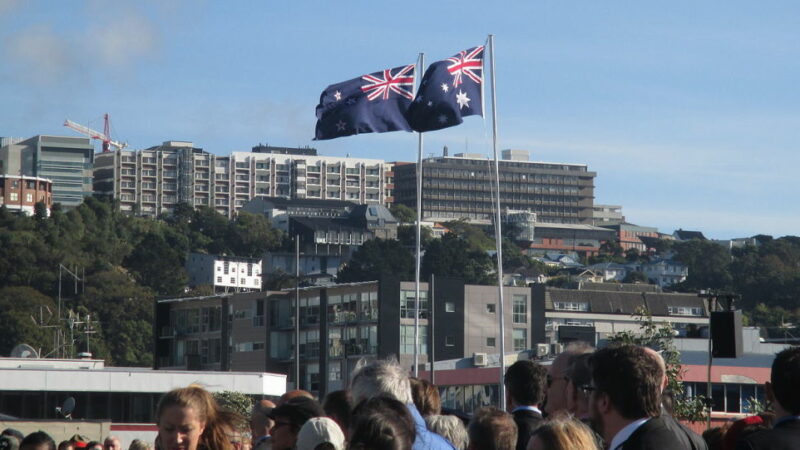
x=450, y=90
x=373, y=103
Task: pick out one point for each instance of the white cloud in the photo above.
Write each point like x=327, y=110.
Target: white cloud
x=124, y=42
x=40, y=55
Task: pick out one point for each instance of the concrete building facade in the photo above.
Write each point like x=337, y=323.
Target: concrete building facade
x=150, y=182
x=462, y=186
x=226, y=273
x=66, y=161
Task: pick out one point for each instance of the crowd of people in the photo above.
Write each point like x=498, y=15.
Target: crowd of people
x=587, y=399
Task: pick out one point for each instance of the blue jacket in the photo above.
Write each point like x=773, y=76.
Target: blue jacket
x=426, y=439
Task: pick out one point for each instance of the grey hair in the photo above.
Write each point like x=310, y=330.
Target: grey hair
x=380, y=378
x=451, y=428
x=136, y=444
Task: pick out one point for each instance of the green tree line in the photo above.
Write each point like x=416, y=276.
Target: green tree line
x=123, y=262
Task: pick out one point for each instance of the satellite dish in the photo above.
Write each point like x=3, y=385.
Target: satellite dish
x=24, y=351
x=66, y=409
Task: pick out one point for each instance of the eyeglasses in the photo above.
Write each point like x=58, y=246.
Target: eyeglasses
x=588, y=389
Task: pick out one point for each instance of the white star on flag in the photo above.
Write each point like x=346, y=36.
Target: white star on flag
x=442, y=119
x=462, y=99
x=340, y=126
x=337, y=96
x=445, y=87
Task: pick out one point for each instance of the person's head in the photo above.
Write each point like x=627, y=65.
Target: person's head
x=662, y=366
x=492, y=429
x=426, y=397
x=783, y=388
x=714, y=437
x=9, y=442
x=320, y=432
x=525, y=383
x=79, y=441
x=260, y=423
x=112, y=443
x=66, y=445
x=626, y=386
x=13, y=432
x=380, y=378
x=558, y=378
x=188, y=417
x=339, y=406
x=38, y=441
x=382, y=423
x=137, y=444
x=94, y=445
x=289, y=417
x=449, y=427
x=579, y=374
x=293, y=394
x=562, y=433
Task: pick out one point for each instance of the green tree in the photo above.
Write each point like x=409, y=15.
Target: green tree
x=407, y=235
x=635, y=277
x=453, y=256
x=377, y=257
x=252, y=235
x=474, y=236
x=660, y=337
x=403, y=213
x=21, y=309
x=708, y=265
x=158, y=262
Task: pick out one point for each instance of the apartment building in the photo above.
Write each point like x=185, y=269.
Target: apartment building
x=463, y=186
x=224, y=273
x=21, y=193
x=150, y=182
x=67, y=162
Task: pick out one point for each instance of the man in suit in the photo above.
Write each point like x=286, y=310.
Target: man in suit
x=558, y=380
x=525, y=382
x=625, y=401
x=783, y=391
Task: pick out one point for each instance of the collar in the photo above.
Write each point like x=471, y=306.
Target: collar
x=527, y=408
x=785, y=419
x=626, y=432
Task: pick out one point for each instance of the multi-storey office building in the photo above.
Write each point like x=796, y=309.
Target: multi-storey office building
x=66, y=161
x=224, y=273
x=463, y=186
x=152, y=181
x=340, y=324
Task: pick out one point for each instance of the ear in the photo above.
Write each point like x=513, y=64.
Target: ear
x=770, y=393
x=603, y=402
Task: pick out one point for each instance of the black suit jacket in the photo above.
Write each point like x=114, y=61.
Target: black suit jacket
x=785, y=436
x=527, y=422
x=663, y=433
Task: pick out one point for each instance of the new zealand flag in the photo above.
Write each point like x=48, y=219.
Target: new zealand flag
x=374, y=103
x=451, y=89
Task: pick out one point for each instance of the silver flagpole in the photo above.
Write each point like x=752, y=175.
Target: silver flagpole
x=498, y=233
x=418, y=241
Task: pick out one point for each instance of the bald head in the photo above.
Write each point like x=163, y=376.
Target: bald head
x=557, y=376
x=259, y=422
x=661, y=365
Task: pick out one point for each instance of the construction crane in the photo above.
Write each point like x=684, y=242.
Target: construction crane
x=107, y=142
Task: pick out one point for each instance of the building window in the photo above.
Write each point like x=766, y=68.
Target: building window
x=13, y=196
x=570, y=306
x=219, y=279
x=520, y=337
x=407, y=340
x=408, y=302
x=449, y=341
x=449, y=307
x=490, y=308
x=520, y=305
x=29, y=198
x=490, y=342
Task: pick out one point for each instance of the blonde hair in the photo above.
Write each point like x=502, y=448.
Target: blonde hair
x=565, y=433
x=218, y=421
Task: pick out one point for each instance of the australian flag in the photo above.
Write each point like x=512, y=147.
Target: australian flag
x=374, y=103
x=450, y=89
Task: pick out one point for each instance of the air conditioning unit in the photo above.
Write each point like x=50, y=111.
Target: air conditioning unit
x=542, y=350
x=556, y=348
x=479, y=359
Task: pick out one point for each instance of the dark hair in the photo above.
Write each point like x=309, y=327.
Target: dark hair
x=14, y=432
x=382, y=423
x=338, y=405
x=631, y=378
x=714, y=437
x=492, y=429
x=36, y=439
x=426, y=397
x=526, y=382
x=93, y=444
x=63, y=445
x=579, y=371
x=785, y=373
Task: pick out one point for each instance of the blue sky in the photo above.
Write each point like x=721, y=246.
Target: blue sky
x=688, y=111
